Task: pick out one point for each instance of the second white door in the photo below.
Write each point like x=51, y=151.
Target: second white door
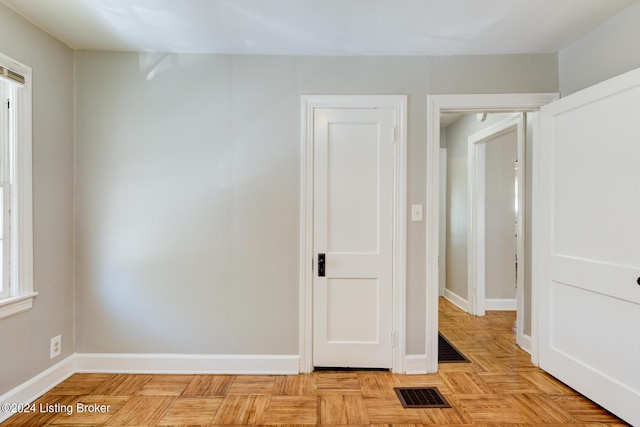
x=588, y=232
x=353, y=241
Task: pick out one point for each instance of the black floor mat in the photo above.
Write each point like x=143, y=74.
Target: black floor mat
x=447, y=352
x=421, y=397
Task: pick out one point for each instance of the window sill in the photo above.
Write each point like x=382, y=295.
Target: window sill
x=15, y=305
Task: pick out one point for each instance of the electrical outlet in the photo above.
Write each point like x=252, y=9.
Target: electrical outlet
x=56, y=346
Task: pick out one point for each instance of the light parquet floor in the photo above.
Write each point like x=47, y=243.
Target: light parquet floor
x=500, y=387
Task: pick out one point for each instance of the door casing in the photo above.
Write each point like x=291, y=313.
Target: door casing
x=476, y=214
x=474, y=103
x=308, y=104
x=443, y=222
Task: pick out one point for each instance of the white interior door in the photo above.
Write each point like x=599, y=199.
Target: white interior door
x=353, y=208
x=588, y=224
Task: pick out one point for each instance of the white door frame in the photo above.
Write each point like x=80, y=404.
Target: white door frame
x=475, y=103
x=443, y=221
x=476, y=259
x=308, y=104
x=476, y=207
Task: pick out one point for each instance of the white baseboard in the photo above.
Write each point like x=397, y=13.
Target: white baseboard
x=501, y=304
x=526, y=343
x=188, y=363
x=456, y=300
x=35, y=387
x=416, y=364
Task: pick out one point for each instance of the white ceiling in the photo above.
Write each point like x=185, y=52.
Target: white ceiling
x=320, y=27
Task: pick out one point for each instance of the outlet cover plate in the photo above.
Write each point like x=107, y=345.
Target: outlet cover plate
x=56, y=346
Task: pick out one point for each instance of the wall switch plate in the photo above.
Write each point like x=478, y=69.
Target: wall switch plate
x=416, y=213
x=56, y=346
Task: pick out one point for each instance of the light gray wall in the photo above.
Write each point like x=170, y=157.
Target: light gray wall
x=26, y=337
x=457, y=197
x=500, y=216
x=491, y=74
x=609, y=50
x=188, y=190
x=186, y=204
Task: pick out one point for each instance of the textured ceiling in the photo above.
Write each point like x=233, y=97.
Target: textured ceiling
x=320, y=27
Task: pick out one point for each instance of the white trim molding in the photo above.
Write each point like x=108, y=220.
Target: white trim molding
x=21, y=293
x=456, y=300
x=473, y=103
x=526, y=343
x=415, y=364
x=308, y=104
x=30, y=390
x=17, y=304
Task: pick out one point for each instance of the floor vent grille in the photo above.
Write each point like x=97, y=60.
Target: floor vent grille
x=421, y=397
x=447, y=352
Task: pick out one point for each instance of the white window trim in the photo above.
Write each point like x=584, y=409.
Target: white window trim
x=21, y=293
x=6, y=235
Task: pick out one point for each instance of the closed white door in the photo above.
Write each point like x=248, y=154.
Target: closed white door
x=353, y=206
x=588, y=223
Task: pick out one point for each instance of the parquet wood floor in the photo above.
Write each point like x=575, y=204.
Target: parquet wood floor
x=500, y=387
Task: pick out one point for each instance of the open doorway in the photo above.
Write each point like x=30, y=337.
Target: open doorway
x=498, y=208
x=482, y=262
x=493, y=239
x=500, y=107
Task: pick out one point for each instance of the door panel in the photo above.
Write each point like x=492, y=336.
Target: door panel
x=352, y=171
x=353, y=202
x=592, y=346
x=589, y=252
x=603, y=152
x=342, y=296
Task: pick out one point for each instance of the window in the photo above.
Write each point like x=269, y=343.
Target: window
x=16, y=229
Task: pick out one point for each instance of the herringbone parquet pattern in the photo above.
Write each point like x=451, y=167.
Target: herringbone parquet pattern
x=500, y=387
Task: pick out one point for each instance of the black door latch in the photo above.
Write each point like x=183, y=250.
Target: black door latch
x=320, y=265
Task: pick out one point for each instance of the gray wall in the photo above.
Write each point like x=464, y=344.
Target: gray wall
x=26, y=337
x=491, y=74
x=609, y=50
x=457, y=197
x=188, y=189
